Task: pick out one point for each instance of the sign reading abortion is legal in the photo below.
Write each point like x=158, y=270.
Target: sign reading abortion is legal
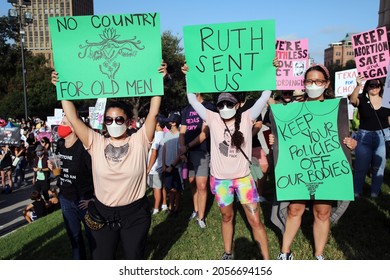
x=105, y=56
x=371, y=51
x=230, y=57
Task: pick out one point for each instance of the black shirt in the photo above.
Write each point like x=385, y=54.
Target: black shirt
x=368, y=119
x=75, y=181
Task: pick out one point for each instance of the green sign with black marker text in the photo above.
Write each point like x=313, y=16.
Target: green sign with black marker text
x=105, y=56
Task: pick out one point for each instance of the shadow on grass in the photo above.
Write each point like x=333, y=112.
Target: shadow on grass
x=166, y=233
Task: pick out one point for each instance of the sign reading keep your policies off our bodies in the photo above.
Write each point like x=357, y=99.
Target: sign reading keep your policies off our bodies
x=104, y=56
x=230, y=57
x=311, y=161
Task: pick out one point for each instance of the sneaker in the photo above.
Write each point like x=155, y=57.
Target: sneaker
x=164, y=207
x=155, y=211
x=262, y=199
x=285, y=256
x=202, y=223
x=227, y=256
x=320, y=258
x=194, y=215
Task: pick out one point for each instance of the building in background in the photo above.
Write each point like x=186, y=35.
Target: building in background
x=340, y=53
x=384, y=16
x=37, y=36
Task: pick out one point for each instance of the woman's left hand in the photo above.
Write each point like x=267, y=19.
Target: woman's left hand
x=350, y=143
x=83, y=204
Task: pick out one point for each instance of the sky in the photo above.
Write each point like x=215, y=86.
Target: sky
x=321, y=22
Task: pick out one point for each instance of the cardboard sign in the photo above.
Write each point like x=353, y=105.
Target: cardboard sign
x=371, y=51
x=293, y=59
x=230, y=57
x=311, y=162
x=10, y=136
x=345, y=82
x=105, y=56
x=97, y=113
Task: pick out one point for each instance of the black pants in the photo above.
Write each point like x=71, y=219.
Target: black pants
x=129, y=224
x=43, y=187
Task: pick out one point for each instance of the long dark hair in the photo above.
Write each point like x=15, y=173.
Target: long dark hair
x=237, y=136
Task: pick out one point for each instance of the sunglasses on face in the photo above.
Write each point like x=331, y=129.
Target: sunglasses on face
x=374, y=86
x=228, y=104
x=118, y=120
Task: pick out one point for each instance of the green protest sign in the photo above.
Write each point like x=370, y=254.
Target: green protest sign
x=105, y=56
x=311, y=162
x=230, y=57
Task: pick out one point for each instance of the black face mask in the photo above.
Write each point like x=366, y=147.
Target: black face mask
x=168, y=125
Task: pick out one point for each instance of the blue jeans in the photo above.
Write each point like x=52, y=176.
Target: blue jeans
x=73, y=217
x=370, y=152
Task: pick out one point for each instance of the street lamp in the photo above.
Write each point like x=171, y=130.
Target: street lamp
x=16, y=15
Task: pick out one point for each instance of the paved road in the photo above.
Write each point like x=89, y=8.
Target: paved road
x=12, y=205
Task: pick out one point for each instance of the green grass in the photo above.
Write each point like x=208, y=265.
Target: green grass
x=362, y=233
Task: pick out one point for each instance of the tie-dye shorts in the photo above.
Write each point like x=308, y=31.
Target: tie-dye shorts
x=224, y=190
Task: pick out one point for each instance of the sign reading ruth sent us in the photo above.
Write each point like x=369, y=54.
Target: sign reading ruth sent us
x=105, y=56
x=232, y=57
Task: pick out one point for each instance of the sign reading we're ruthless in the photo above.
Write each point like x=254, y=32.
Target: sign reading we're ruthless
x=230, y=57
x=293, y=57
x=311, y=162
x=371, y=51
x=105, y=56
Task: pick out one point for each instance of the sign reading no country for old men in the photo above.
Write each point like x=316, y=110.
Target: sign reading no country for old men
x=103, y=56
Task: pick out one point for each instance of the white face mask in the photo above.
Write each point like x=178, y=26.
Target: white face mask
x=116, y=130
x=227, y=113
x=314, y=91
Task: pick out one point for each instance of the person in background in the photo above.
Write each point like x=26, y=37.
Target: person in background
x=317, y=87
x=119, y=165
x=42, y=172
x=170, y=160
x=53, y=204
x=36, y=209
x=76, y=187
x=299, y=95
x=6, y=168
x=19, y=172
x=45, y=142
x=194, y=147
x=154, y=169
x=372, y=134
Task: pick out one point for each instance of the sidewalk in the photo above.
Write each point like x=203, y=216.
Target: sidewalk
x=12, y=205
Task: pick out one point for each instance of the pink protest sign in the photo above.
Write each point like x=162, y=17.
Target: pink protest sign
x=371, y=53
x=293, y=59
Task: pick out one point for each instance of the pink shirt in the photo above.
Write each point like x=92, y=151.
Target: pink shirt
x=119, y=168
x=227, y=162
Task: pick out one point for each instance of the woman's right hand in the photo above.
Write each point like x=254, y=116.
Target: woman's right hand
x=54, y=77
x=271, y=139
x=359, y=80
x=184, y=69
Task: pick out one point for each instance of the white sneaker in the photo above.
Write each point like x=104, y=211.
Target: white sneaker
x=164, y=207
x=320, y=258
x=202, y=224
x=194, y=215
x=155, y=211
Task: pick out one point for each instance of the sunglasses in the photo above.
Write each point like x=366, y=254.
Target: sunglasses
x=118, y=120
x=374, y=85
x=228, y=104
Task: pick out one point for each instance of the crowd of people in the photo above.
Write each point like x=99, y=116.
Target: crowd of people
x=104, y=177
